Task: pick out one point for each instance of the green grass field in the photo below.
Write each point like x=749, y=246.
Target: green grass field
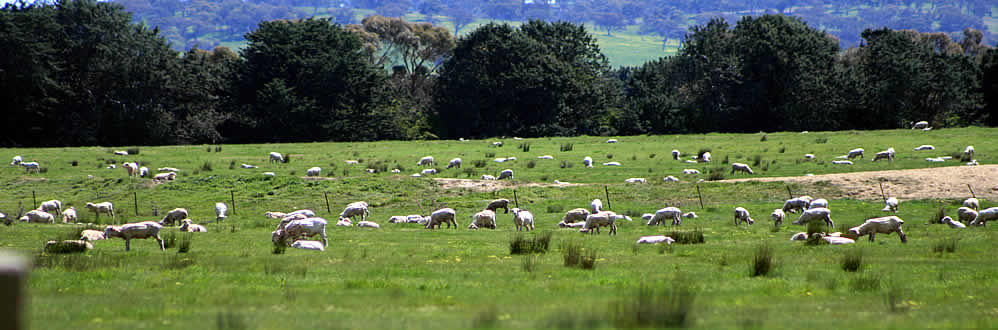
x=406, y=276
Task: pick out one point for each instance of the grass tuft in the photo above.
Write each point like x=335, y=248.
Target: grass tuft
x=764, y=138
x=206, y=166
x=762, y=262
x=567, y=147
x=132, y=151
x=490, y=155
x=536, y=244
x=664, y=307
x=170, y=240
x=529, y=262
x=531, y=164
x=694, y=236
x=571, y=253
x=589, y=260
x=852, y=260
x=945, y=245
x=870, y=282
x=185, y=243
x=716, y=173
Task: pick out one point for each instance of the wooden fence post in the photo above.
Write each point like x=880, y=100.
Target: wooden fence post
x=13, y=278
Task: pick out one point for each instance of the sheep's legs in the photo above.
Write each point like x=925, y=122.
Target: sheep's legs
x=162, y=246
x=871, y=236
x=904, y=238
x=128, y=245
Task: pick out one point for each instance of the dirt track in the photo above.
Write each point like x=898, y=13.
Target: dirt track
x=492, y=185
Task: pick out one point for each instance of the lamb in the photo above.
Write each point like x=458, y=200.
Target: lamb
x=354, y=209
x=601, y=219
x=575, y=215
x=17, y=160
x=507, y=173
x=121, y=153
x=934, y=160
x=690, y=215
x=456, y=162
x=886, y=154
x=572, y=224
x=315, y=171
x=968, y=152
x=794, y=205
x=882, y=225
x=220, y=209
x=675, y=154
x=801, y=236
x=855, y=152
x=143, y=171
x=429, y=171
x=69, y=216
x=92, y=235
x=164, y=176
x=842, y=162
x=301, y=228
x=68, y=246
x=306, y=212
x=50, y=206
x=705, y=157
x=891, y=205
x=920, y=125
x=778, y=215
x=112, y=166
x=274, y=215
x=428, y=160
x=952, y=223
x=444, y=215
x=497, y=144
x=636, y=180
x=835, y=240
x=820, y=202
x=131, y=168
x=588, y=161
x=739, y=167
x=176, y=214
x=344, y=223
x=966, y=214
x=368, y=224
x=815, y=214
x=545, y=157
x=488, y=177
x=351, y=162
x=188, y=226
x=168, y=169
x=972, y=203
x=247, y=166
x=689, y=171
x=398, y=219
x=809, y=156
x=483, y=219
x=925, y=147
x=276, y=157
x=38, y=216
x=611, y=164
x=612, y=141
x=139, y=230
x=984, y=216
x=742, y=215
x=31, y=166
x=499, y=204
x=670, y=213
x=308, y=245
x=416, y=218
x=596, y=205
x=670, y=179
x=655, y=240
x=523, y=219
x=105, y=207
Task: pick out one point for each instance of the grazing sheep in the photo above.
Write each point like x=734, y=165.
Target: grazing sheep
x=298, y=229
x=882, y=225
x=808, y=156
x=428, y=160
x=588, y=161
x=92, y=235
x=429, y=171
x=68, y=246
x=545, y=157
x=575, y=215
x=354, y=209
x=705, y=157
x=689, y=171
x=143, y=171
x=968, y=152
x=368, y=224
x=69, y=216
x=924, y=147
x=344, y=223
x=670, y=179
x=611, y=164
x=17, y=161
x=164, y=176
x=444, y=215
x=456, y=162
x=668, y=213
x=778, y=215
x=167, y=169
x=120, y=153
x=891, y=205
x=858, y=152
x=579, y=224
x=139, y=230
x=484, y=219
x=966, y=214
x=972, y=203
x=596, y=205
x=488, y=177
x=247, y=166
x=601, y=219
x=315, y=171
x=497, y=144
x=416, y=218
x=105, y=207
x=38, y=216
x=842, y=162
x=794, y=205
x=523, y=219
x=655, y=240
x=984, y=216
x=507, y=173
x=188, y=226
x=308, y=245
x=739, y=167
x=176, y=214
x=636, y=180
x=220, y=210
x=50, y=206
x=920, y=125
x=276, y=157
x=499, y=204
x=742, y=215
x=815, y=214
x=500, y=160
x=690, y=215
x=675, y=154
x=820, y=202
x=612, y=141
x=31, y=166
x=886, y=154
x=274, y=215
x=306, y=212
x=952, y=223
x=801, y=236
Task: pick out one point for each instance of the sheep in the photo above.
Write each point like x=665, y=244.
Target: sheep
x=131, y=168
x=17, y=160
x=572, y=224
x=315, y=171
x=972, y=162
x=368, y=224
x=306, y=212
x=886, y=154
x=670, y=179
x=499, y=204
x=351, y=162
x=934, y=160
x=842, y=162
x=497, y=144
x=575, y=215
x=690, y=171
x=801, y=236
x=120, y=153
x=690, y=215
x=396, y=171
x=456, y=162
x=354, y=209
x=545, y=157
x=636, y=180
x=972, y=203
x=429, y=171
x=611, y=164
x=835, y=240
x=968, y=152
x=416, y=175
x=882, y=225
x=588, y=161
x=815, y=214
x=488, y=177
x=655, y=240
x=167, y=169
x=276, y=157
x=920, y=125
x=596, y=205
x=139, y=230
x=38, y=216
x=308, y=245
x=742, y=215
x=274, y=215
x=52, y=205
x=507, y=173
x=675, y=154
x=984, y=216
x=612, y=141
x=739, y=167
x=344, y=223
x=3, y=218
x=428, y=160
x=601, y=219
x=924, y=147
x=523, y=219
x=966, y=214
x=891, y=205
x=416, y=218
x=68, y=246
x=670, y=213
x=705, y=157
x=444, y=215
x=31, y=166
x=398, y=219
x=92, y=235
x=484, y=219
x=112, y=166
x=69, y=216
x=778, y=215
x=164, y=176
x=188, y=226
x=176, y=214
x=143, y=171
x=808, y=156
x=794, y=205
x=297, y=229
x=220, y=210
x=820, y=202
x=247, y=166
x=855, y=152
x=952, y=223
x=105, y=207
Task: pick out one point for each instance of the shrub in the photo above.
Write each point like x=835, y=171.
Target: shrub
x=852, y=260
x=75, y=163
x=762, y=262
x=206, y=166
x=525, y=147
x=589, y=260
x=716, y=174
x=651, y=308
x=531, y=164
x=609, y=156
x=479, y=163
x=536, y=244
x=490, y=155
x=763, y=138
x=132, y=151
x=756, y=160
x=783, y=149
x=945, y=245
x=694, y=236
x=571, y=253
x=821, y=140
x=567, y=147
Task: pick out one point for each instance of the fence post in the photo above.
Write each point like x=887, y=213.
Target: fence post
x=326, y=195
x=971, y=191
x=13, y=276
x=233, y=195
x=135, y=195
x=515, y=201
x=33, y=198
x=607, y=190
x=699, y=196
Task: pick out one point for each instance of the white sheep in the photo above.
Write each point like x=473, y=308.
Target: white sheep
x=655, y=240
x=636, y=180
x=809, y=156
x=794, y=205
x=429, y=171
x=456, y=162
x=188, y=226
x=972, y=162
x=858, y=152
x=952, y=223
x=444, y=215
x=38, y=216
x=105, y=207
x=69, y=216
x=920, y=125
x=416, y=218
x=588, y=161
x=488, y=177
x=596, y=205
x=690, y=171
x=523, y=219
x=53, y=206
x=220, y=210
x=882, y=225
x=315, y=171
x=497, y=144
x=167, y=169
x=891, y=205
x=17, y=160
x=575, y=215
x=972, y=203
x=351, y=162
x=396, y=171
x=131, y=168
x=815, y=214
x=611, y=164
x=354, y=209
x=112, y=166
x=69, y=246
x=705, y=157
x=601, y=219
x=836, y=240
x=742, y=215
x=164, y=177
x=143, y=171
x=668, y=213
x=139, y=230
x=495, y=205
x=739, y=167
x=274, y=215
x=670, y=179
x=690, y=215
x=306, y=212
x=612, y=141
x=297, y=229
x=344, y=223
x=801, y=236
x=416, y=175
x=924, y=147
x=176, y=214
x=483, y=219
x=308, y=245
x=428, y=160
x=92, y=235
x=934, y=160
x=545, y=157
x=778, y=215
x=984, y=216
x=886, y=154
x=276, y=157
x=507, y=173
x=675, y=154
x=842, y=162
x=247, y=166
x=966, y=214
x=121, y=153
x=368, y=224
x=968, y=152
x=31, y=166
x=820, y=202
x=579, y=224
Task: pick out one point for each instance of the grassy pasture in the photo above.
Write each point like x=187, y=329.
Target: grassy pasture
x=405, y=276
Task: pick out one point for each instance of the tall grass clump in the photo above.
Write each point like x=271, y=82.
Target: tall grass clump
x=694, y=236
x=479, y=163
x=490, y=155
x=536, y=244
x=566, y=164
x=762, y=262
x=232, y=165
x=571, y=254
x=531, y=164
x=869, y=282
x=206, y=166
x=231, y=321
x=170, y=240
x=132, y=151
x=938, y=215
x=783, y=149
x=663, y=307
x=821, y=140
x=725, y=160
x=716, y=174
x=566, y=147
x=764, y=138
x=185, y=243
x=529, y=263
x=589, y=260
x=945, y=245
x=525, y=147
x=756, y=160
x=852, y=260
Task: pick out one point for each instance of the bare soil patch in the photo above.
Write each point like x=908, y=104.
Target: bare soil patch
x=493, y=185
x=940, y=182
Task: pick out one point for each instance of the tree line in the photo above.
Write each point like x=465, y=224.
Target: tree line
x=79, y=72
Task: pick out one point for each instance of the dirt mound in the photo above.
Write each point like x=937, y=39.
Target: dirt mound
x=493, y=185
x=940, y=182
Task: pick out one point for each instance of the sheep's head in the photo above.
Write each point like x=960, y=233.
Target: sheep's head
x=49, y=244
x=91, y=206
x=852, y=233
x=110, y=231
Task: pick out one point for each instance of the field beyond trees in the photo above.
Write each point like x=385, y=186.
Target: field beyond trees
x=403, y=275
